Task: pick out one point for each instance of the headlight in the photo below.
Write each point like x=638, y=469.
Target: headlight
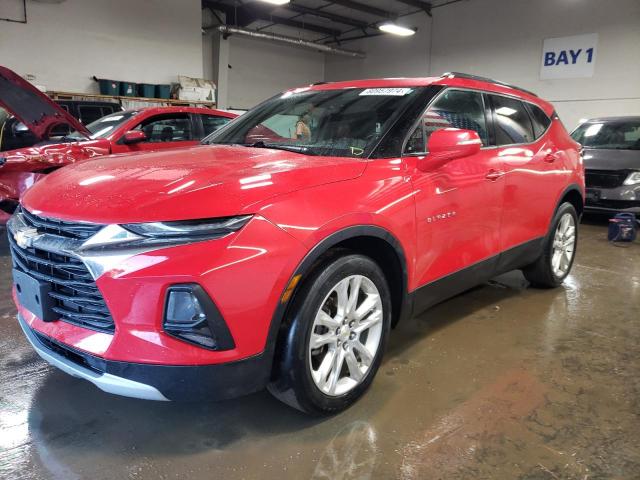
x=633, y=178
x=189, y=229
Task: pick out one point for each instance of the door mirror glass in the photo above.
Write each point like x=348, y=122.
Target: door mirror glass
x=134, y=136
x=449, y=144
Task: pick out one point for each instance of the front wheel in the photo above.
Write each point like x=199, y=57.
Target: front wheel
x=559, y=250
x=340, y=322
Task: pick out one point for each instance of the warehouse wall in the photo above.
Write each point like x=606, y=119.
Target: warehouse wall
x=503, y=39
x=259, y=69
x=66, y=43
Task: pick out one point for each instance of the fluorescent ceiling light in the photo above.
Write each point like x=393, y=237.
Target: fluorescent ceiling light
x=276, y=2
x=505, y=111
x=395, y=29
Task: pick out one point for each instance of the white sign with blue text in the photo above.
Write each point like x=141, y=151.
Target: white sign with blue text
x=569, y=57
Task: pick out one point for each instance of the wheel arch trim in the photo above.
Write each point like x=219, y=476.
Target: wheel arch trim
x=572, y=187
x=322, y=247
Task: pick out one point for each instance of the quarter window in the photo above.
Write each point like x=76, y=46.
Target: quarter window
x=453, y=109
x=539, y=119
x=513, y=124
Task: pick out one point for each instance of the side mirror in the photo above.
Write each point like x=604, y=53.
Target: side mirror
x=449, y=144
x=134, y=136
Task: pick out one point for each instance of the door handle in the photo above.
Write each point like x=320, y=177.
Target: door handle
x=494, y=175
x=550, y=157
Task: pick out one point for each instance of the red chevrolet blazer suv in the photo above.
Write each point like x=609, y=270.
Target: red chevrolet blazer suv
x=281, y=251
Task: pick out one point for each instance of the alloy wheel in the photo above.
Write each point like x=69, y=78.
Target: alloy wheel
x=564, y=242
x=346, y=335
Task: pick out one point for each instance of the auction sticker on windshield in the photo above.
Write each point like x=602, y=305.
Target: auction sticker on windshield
x=394, y=92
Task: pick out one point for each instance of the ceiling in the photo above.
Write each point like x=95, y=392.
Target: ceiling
x=322, y=21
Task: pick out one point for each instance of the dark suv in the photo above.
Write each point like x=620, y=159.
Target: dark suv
x=612, y=163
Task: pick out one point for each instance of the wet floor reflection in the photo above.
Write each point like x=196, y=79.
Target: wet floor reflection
x=351, y=454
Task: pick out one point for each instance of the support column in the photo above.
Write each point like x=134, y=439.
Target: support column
x=221, y=69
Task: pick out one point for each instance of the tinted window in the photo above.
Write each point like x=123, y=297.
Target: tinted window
x=211, y=123
x=513, y=124
x=613, y=135
x=107, y=109
x=539, y=119
x=167, y=128
x=89, y=114
x=453, y=109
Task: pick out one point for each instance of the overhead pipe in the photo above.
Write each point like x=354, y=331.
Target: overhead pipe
x=230, y=30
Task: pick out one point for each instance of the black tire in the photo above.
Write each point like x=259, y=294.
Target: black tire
x=292, y=381
x=540, y=273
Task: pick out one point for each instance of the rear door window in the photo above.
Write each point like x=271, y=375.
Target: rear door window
x=512, y=122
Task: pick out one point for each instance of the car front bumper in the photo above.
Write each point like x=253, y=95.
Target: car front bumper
x=154, y=382
x=625, y=198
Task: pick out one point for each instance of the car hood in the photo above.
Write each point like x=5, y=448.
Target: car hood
x=32, y=107
x=204, y=181
x=600, y=159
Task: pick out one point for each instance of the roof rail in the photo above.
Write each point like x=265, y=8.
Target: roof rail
x=485, y=79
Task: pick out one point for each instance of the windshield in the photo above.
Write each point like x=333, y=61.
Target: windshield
x=341, y=123
x=619, y=135
x=106, y=125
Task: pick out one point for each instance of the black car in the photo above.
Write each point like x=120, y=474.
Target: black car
x=612, y=163
x=14, y=134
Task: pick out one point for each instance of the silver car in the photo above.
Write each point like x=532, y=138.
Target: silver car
x=612, y=163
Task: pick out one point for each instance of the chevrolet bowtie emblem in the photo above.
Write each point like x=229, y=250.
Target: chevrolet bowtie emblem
x=25, y=237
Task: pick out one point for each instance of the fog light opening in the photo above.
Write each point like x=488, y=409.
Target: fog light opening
x=191, y=316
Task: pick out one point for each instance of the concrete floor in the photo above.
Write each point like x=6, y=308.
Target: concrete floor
x=501, y=382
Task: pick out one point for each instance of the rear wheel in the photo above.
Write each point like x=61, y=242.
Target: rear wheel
x=340, y=322
x=559, y=250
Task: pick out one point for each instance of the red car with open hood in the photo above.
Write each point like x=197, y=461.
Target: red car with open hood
x=144, y=129
x=281, y=252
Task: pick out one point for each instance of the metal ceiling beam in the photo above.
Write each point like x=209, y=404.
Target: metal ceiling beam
x=244, y=15
x=329, y=16
x=296, y=24
x=426, y=6
x=361, y=7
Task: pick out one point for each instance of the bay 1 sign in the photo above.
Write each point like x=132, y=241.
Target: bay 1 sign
x=569, y=57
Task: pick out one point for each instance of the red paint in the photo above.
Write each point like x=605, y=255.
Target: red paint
x=446, y=216
x=23, y=166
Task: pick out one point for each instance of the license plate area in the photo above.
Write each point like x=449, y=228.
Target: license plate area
x=34, y=296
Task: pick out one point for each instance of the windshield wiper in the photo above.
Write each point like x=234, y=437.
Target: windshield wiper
x=279, y=146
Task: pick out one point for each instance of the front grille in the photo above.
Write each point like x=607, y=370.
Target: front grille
x=605, y=178
x=77, y=299
x=75, y=230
